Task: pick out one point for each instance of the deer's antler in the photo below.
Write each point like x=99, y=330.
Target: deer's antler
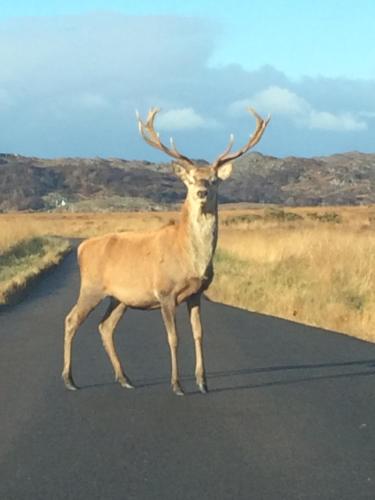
x=255, y=137
x=148, y=133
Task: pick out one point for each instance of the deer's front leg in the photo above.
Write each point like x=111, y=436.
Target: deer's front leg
x=168, y=310
x=194, y=303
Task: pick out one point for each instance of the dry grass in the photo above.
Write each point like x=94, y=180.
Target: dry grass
x=27, y=259
x=323, y=277
x=316, y=268
x=312, y=265
x=16, y=227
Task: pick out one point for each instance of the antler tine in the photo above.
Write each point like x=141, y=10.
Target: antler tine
x=254, y=138
x=261, y=125
x=173, y=145
x=146, y=129
x=151, y=117
x=230, y=145
x=149, y=134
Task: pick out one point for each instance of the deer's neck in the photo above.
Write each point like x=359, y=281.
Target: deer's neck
x=199, y=228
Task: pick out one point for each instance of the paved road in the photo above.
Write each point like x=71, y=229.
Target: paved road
x=290, y=413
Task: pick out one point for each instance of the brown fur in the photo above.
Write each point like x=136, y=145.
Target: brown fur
x=157, y=269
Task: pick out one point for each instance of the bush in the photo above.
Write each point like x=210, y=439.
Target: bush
x=280, y=215
x=240, y=219
x=332, y=217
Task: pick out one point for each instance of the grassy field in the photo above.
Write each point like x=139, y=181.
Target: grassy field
x=311, y=265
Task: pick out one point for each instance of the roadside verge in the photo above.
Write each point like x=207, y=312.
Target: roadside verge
x=22, y=264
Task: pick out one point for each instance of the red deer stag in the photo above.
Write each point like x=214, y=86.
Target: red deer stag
x=157, y=269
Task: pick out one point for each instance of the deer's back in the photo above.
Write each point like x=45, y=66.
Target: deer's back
x=137, y=268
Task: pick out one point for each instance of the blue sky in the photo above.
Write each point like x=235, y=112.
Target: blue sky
x=72, y=73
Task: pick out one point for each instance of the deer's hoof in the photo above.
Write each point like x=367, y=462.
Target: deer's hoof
x=177, y=389
x=203, y=387
x=69, y=384
x=126, y=384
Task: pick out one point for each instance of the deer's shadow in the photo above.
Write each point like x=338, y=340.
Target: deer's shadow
x=245, y=378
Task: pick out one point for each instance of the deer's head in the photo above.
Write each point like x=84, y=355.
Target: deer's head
x=201, y=181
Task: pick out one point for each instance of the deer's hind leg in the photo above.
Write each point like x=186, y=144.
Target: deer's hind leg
x=107, y=327
x=87, y=301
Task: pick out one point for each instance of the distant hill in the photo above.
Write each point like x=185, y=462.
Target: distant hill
x=43, y=184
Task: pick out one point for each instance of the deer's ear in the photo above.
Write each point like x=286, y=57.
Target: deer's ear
x=224, y=171
x=180, y=171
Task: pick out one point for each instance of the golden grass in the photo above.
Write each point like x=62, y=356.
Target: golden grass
x=21, y=263
x=16, y=227
x=318, y=276
x=315, y=267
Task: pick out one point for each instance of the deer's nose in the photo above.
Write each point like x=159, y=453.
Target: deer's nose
x=202, y=193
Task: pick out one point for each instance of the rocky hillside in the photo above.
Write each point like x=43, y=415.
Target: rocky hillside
x=41, y=184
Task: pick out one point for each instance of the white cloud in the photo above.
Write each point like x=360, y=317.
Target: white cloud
x=275, y=100
x=183, y=119
x=282, y=101
x=343, y=122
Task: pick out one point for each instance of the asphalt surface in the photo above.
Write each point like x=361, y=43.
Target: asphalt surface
x=290, y=413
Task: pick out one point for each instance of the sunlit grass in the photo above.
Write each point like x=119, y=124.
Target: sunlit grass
x=320, y=276
x=25, y=260
x=16, y=227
